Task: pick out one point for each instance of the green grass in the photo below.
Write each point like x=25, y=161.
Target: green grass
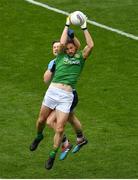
x=107, y=90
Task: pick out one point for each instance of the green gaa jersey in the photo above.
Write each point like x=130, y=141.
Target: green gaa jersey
x=68, y=69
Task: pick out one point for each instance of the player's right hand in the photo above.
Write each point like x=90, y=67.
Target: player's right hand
x=84, y=25
x=71, y=33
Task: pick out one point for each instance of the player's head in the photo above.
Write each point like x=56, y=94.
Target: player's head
x=70, y=48
x=55, y=47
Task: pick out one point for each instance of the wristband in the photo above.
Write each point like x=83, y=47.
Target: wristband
x=84, y=29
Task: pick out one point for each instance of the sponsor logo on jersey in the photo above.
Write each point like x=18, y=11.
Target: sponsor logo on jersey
x=77, y=56
x=71, y=61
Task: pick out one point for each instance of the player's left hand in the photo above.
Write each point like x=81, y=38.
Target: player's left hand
x=68, y=21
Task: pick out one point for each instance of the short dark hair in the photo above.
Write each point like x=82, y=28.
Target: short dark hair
x=56, y=41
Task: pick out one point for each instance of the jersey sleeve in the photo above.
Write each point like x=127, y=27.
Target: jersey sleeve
x=51, y=66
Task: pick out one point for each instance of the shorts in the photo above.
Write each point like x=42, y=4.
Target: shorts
x=75, y=100
x=59, y=99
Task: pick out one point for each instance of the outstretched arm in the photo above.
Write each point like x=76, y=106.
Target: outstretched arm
x=64, y=35
x=89, y=41
x=77, y=42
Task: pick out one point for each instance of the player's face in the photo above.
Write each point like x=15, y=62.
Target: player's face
x=55, y=48
x=71, y=49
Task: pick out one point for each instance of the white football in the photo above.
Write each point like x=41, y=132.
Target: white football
x=77, y=18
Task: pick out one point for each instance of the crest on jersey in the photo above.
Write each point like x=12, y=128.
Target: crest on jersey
x=77, y=56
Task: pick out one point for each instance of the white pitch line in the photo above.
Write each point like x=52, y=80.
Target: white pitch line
x=131, y=36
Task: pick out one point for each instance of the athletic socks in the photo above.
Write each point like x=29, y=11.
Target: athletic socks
x=64, y=138
x=39, y=136
x=53, y=152
x=65, y=141
x=79, y=135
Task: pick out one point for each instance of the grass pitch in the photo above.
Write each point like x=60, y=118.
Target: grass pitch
x=107, y=89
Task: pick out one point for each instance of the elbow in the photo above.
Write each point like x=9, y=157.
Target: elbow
x=62, y=44
x=46, y=81
x=91, y=46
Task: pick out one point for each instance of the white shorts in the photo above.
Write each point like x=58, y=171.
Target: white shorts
x=59, y=99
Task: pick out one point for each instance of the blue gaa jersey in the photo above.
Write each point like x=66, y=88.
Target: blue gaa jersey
x=52, y=65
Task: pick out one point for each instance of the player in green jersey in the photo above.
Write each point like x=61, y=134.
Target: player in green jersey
x=51, y=120
x=68, y=69
x=59, y=94
x=73, y=120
